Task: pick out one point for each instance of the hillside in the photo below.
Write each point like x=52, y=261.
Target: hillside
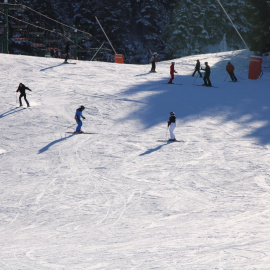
x=119, y=199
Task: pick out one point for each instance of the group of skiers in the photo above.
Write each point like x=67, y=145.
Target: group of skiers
x=198, y=68
x=78, y=114
x=172, y=119
x=206, y=79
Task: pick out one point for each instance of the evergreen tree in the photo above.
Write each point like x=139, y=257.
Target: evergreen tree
x=173, y=28
x=195, y=27
x=261, y=42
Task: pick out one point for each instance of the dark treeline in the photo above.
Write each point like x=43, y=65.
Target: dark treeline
x=173, y=28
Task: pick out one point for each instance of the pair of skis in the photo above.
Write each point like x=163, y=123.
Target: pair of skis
x=173, y=83
x=69, y=63
x=74, y=132
x=205, y=85
x=170, y=141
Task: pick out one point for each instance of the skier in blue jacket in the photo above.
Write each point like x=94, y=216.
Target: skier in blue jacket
x=78, y=117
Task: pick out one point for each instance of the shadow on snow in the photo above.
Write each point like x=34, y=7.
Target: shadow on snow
x=11, y=111
x=45, y=148
x=245, y=103
x=149, y=151
x=52, y=67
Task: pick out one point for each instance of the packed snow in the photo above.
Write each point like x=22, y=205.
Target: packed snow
x=119, y=198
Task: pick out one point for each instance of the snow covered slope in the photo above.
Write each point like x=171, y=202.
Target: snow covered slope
x=119, y=199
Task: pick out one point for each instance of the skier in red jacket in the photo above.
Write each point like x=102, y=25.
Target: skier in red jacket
x=172, y=71
x=230, y=70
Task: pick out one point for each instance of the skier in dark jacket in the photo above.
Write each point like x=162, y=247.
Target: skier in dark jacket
x=230, y=70
x=153, y=62
x=206, y=77
x=67, y=48
x=172, y=125
x=197, y=69
x=22, y=89
x=78, y=116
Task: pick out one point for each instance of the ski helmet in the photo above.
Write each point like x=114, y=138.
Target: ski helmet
x=172, y=113
x=82, y=107
x=206, y=63
x=173, y=63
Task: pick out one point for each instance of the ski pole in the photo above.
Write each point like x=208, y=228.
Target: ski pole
x=239, y=76
x=196, y=78
x=226, y=77
x=167, y=133
x=70, y=126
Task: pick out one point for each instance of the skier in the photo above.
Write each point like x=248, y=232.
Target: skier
x=52, y=53
x=21, y=89
x=172, y=125
x=172, y=71
x=230, y=70
x=197, y=69
x=78, y=117
x=153, y=61
x=67, y=52
x=206, y=77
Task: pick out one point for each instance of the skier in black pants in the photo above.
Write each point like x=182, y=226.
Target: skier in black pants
x=197, y=69
x=230, y=70
x=22, y=89
x=153, y=62
x=206, y=77
x=67, y=52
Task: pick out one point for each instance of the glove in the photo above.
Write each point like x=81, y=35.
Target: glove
x=83, y=117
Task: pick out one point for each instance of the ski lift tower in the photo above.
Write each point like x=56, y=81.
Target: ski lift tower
x=5, y=40
x=118, y=58
x=75, y=44
x=6, y=7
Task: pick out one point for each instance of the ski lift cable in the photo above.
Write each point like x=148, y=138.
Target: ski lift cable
x=57, y=21
x=60, y=34
x=48, y=30
x=233, y=25
x=68, y=26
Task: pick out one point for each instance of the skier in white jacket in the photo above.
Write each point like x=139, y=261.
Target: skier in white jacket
x=172, y=125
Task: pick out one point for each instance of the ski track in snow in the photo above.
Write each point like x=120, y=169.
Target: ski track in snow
x=118, y=199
